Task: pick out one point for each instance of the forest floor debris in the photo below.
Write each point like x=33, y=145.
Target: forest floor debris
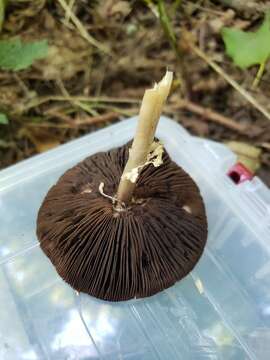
x=102, y=55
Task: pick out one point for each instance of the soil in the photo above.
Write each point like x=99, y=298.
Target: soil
x=103, y=56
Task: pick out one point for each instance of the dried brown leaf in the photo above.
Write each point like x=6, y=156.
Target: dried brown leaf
x=41, y=138
x=247, y=154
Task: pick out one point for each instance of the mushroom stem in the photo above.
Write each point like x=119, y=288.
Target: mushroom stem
x=149, y=115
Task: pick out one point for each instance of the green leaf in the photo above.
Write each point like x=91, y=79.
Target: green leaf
x=15, y=55
x=3, y=119
x=248, y=48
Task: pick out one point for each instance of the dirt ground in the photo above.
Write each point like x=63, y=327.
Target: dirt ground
x=103, y=54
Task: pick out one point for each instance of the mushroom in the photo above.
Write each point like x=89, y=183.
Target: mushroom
x=123, y=223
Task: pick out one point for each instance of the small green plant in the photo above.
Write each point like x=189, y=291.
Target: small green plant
x=3, y=119
x=248, y=48
x=15, y=55
x=2, y=12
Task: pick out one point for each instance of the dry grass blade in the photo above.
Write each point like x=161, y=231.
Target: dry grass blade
x=69, y=123
x=84, y=33
x=88, y=99
x=77, y=103
x=232, y=82
x=67, y=17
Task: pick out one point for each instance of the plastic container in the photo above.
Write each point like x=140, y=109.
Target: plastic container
x=220, y=311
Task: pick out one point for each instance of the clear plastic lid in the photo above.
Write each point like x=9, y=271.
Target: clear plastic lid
x=219, y=311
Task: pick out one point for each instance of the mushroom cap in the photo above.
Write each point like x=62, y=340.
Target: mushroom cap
x=119, y=255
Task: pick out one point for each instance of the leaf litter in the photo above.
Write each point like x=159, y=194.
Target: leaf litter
x=78, y=87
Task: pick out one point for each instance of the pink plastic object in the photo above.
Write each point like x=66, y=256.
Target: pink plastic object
x=239, y=173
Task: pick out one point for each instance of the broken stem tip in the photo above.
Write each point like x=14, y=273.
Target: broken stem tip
x=149, y=115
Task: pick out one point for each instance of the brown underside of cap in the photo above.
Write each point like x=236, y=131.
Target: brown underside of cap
x=129, y=254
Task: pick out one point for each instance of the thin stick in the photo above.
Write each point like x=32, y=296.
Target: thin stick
x=232, y=82
x=149, y=115
x=72, y=124
x=213, y=116
x=95, y=99
x=97, y=119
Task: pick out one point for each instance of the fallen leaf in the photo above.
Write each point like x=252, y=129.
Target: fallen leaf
x=266, y=145
x=121, y=7
x=248, y=48
x=110, y=8
x=42, y=139
x=15, y=55
x=247, y=154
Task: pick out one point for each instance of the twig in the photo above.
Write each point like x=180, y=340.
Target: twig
x=84, y=33
x=52, y=112
x=92, y=99
x=232, y=82
x=77, y=123
x=213, y=116
x=49, y=125
x=125, y=112
x=97, y=119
